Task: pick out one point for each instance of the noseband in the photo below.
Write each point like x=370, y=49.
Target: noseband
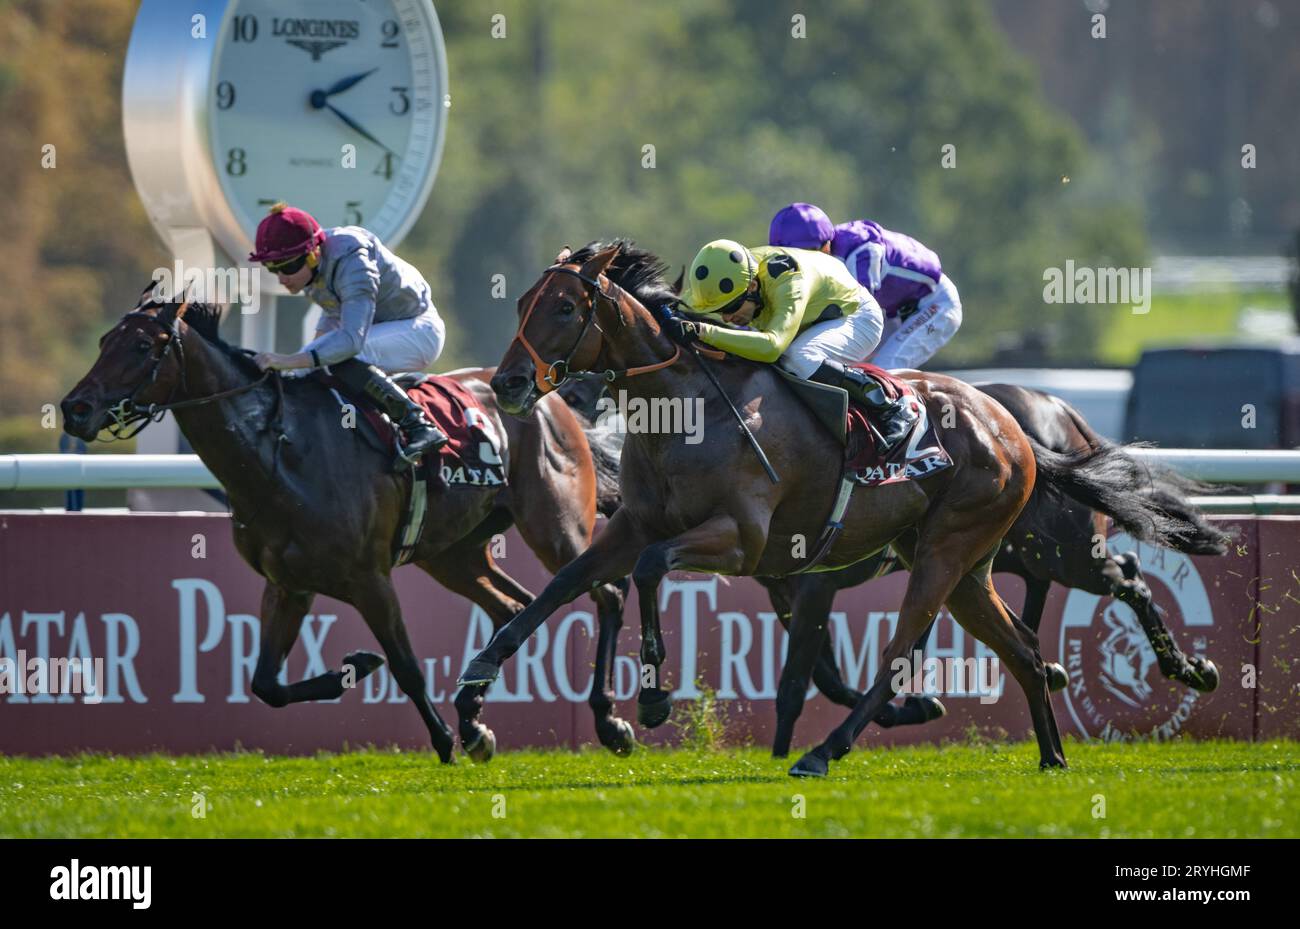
x=550, y=375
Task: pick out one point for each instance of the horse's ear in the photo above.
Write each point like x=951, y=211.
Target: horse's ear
x=563, y=256
x=680, y=282
x=596, y=265
x=172, y=311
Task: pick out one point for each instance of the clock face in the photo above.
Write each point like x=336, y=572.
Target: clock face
x=334, y=106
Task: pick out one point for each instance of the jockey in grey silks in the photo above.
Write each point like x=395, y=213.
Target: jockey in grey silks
x=377, y=313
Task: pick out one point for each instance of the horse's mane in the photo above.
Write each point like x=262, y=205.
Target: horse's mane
x=205, y=319
x=638, y=271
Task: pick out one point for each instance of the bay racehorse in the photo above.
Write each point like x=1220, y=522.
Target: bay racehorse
x=709, y=507
x=1051, y=541
x=315, y=507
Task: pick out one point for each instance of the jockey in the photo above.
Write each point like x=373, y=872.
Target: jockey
x=378, y=313
x=800, y=309
x=922, y=308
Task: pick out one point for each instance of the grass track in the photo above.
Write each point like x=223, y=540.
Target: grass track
x=1176, y=789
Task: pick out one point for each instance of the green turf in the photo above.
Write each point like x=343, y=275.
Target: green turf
x=1177, y=789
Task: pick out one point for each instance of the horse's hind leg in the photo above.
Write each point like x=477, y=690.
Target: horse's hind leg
x=1123, y=575
x=377, y=602
x=977, y=606
x=282, y=615
x=468, y=570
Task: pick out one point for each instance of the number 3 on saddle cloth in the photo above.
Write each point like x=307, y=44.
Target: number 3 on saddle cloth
x=473, y=456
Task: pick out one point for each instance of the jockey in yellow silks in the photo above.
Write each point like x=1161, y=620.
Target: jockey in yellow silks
x=801, y=309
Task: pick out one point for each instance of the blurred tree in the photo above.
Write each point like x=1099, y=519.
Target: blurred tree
x=671, y=123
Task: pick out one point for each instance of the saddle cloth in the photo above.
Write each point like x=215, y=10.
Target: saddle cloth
x=473, y=454
x=919, y=454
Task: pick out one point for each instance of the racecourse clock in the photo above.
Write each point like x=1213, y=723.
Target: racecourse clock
x=337, y=106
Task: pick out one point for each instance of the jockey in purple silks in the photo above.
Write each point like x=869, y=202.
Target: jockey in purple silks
x=922, y=308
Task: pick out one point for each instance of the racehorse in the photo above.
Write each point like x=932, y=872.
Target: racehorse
x=315, y=507
x=709, y=507
x=1051, y=541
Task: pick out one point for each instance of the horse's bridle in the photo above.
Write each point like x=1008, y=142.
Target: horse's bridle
x=550, y=375
x=126, y=413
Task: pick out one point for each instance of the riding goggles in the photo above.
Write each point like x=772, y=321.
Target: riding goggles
x=288, y=266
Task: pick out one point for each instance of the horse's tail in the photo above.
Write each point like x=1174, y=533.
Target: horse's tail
x=605, y=439
x=1146, y=500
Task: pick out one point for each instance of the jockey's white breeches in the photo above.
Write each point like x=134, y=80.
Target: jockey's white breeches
x=848, y=340
x=913, y=342
x=401, y=345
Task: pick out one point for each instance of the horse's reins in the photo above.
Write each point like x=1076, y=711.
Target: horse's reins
x=557, y=372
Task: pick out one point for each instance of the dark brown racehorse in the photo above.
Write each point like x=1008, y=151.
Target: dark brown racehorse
x=709, y=507
x=315, y=507
x=1051, y=541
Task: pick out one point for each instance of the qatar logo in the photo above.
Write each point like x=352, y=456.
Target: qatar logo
x=1116, y=691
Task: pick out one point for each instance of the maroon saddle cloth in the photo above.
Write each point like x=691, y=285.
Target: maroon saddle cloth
x=472, y=456
x=919, y=454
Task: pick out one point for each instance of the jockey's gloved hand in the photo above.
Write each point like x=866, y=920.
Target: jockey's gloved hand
x=681, y=330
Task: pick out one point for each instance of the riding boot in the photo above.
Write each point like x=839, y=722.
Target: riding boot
x=893, y=417
x=421, y=435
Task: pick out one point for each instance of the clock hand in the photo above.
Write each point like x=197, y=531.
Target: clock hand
x=357, y=128
x=318, y=97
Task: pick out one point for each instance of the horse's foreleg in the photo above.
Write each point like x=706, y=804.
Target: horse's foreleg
x=377, y=602
x=608, y=560
x=712, y=547
x=614, y=733
x=469, y=570
x=810, y=609
x=1123, y=574
x=282, y=615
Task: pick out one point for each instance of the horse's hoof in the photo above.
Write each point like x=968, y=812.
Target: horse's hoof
x=810, y=765
x=479, y=671
x=483, y=746
x=1056, y=761
x=364, y=663
x=1208, y=672
x=927, y=709
x=653, y=707
x=1057, y=679
x=618, y=736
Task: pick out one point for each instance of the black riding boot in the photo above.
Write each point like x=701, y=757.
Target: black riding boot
x=893, y=417
x=420, y=434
